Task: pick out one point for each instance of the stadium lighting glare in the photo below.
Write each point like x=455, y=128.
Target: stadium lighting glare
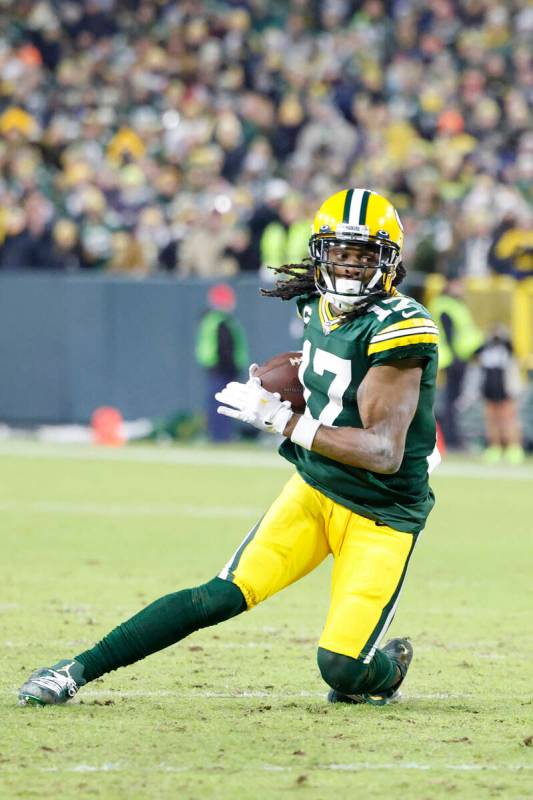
x=171, y=119
x=222, y=203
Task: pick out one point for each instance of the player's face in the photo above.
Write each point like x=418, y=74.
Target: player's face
x=353, y=261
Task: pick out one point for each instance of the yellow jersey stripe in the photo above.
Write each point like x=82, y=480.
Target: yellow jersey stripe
x=321, y=314
x=391, y=344
x=381, y=337
x=408, y=323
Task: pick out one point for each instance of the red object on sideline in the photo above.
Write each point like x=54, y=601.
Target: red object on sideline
x=107, y=426
x=222, y=297
x=441, y=444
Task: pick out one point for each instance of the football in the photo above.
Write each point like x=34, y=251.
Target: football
x=280, y=374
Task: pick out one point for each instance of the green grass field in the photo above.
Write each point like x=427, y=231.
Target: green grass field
x=239, y=710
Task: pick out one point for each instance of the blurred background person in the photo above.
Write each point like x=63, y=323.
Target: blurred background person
x=222, y=351
x=127, y=255
x=205, y=249
x=28, y=243
x=460, y=338
x=511, y=251
x=501, y=385
x=66, y=250
x=285, y=240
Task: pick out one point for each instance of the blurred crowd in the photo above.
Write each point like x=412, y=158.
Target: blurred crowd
x=200, y=137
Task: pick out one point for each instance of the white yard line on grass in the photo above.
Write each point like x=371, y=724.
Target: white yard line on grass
x=433, y=767
x=130, y=694
x=472, y=649
x=188, y=456
x=213, y=457
x=130, y=509
x=356, y=767
x=255, y=694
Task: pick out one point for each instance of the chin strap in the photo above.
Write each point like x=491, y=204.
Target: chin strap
x=332, y=288
x=361, y=307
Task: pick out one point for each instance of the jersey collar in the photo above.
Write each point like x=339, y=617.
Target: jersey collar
x=328, y=320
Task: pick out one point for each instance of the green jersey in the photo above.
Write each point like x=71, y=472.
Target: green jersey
x=336, y=358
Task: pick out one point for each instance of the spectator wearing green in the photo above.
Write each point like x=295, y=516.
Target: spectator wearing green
x=222, y=350
x=460, y=338
x=286, y=241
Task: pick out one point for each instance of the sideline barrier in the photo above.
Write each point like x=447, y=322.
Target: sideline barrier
x=498, y=299
x=72, y=343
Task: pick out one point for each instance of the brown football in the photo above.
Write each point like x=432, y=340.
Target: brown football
x=280, y=374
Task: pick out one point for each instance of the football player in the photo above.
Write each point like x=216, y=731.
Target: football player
x=362, y=452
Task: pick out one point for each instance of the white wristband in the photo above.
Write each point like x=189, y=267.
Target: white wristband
x=305, y=431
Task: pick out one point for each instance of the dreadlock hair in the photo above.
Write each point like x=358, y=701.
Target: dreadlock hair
x=301, y=281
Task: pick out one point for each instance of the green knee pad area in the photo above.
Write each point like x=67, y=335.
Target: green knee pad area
x=351, y=676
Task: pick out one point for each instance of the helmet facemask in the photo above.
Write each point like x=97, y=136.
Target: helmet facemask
x=374, y=257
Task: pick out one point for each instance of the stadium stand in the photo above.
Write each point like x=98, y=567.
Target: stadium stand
x=129, y=129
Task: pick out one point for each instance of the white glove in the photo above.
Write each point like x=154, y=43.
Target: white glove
x=249, y=402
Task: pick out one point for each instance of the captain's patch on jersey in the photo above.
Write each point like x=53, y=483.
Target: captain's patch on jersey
x=306, y=314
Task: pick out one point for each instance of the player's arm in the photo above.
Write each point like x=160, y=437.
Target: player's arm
x=387, y=400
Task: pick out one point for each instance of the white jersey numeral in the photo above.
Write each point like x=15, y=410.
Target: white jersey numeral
x=304, y=363
x=403, y=304
x=323, y=362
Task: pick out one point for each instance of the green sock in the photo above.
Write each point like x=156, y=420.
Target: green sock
x=352, y=676
x=162, y=623
x=382, y=673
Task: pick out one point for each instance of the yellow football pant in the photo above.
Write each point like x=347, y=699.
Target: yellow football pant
x=298, y=531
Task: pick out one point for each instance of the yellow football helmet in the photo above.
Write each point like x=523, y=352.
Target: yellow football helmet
x=368, y=223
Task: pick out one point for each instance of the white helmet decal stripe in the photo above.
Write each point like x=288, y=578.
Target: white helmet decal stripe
x=358, y=209
x=355, y=206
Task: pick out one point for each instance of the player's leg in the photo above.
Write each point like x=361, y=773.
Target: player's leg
x=161, y=624
x=370, y=566
x=164, y=622
x=277, y=551
x=493, y=451
x=511, y=433
x=289, y=542
x=286, y=544
x=452, y=390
